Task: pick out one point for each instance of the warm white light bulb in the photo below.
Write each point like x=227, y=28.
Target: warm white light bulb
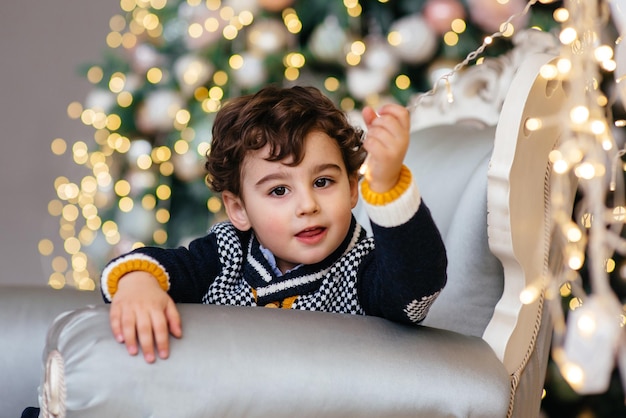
x=603, y=53
x=564, y=65
x=579, y=114
x=549, y=71
x=533, y=124
x=529, y=295
x=586, y=324
x=576, y=260
x=574, y=375
x=585, y=171
x=598, y=126
x=568, y=35
x=560, y=166
x=573, y=233
x=619, y=213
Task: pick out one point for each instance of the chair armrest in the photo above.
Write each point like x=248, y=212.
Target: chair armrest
x=258, y=362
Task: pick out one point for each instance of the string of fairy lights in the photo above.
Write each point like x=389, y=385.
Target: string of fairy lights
x=591, y=339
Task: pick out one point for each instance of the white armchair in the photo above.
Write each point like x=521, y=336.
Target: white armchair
x=480, y=353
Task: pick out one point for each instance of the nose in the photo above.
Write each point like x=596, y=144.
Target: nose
x=307, y=203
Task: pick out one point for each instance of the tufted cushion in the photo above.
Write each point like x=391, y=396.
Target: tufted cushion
x=450, y=164
x=258, y=362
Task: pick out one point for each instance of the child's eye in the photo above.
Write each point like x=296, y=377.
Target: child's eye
x=322, y=182
x=278, y=191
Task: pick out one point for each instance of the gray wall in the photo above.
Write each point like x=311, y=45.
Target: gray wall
x=42, y=44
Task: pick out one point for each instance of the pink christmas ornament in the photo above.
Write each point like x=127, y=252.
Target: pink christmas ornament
x=275, y=5
x=439, y=14
x=417, y=41
x=490, y=14
x=243, y=5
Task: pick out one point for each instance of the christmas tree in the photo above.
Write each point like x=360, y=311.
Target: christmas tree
x=169, y=66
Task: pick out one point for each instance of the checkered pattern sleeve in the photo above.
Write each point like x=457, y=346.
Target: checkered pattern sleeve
x=185, y=273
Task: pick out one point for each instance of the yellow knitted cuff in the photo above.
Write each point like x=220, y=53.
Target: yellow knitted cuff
x=380, y=199
x=136, y=264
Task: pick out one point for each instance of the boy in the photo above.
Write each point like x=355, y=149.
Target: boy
x=286, y=162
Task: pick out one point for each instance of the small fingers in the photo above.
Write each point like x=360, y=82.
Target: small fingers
x=173, y=319
x=145, y=336
x=369, y=115
x=161, y=335
x=129, y=333
x=400, y=113
x=116, y=323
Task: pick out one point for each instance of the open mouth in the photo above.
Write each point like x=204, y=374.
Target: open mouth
x=311, y=232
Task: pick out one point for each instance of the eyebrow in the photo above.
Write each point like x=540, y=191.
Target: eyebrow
x=281, y=175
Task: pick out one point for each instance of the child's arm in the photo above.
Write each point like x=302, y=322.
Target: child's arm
x=404, y=274
x=143, y=286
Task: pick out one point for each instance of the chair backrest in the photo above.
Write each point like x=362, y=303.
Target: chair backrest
x=506, y=178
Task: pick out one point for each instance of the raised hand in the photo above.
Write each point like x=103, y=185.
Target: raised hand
x=386, y=142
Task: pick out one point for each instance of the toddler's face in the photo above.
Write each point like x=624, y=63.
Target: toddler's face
x=301, y=213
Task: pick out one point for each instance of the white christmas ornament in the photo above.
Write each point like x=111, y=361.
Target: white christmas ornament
x=139, y=223
x=100, y=99
x=144, y=57
x=191, y=72
x=140, y=180
x=188, y=166
x=251, y=73
x=593, y=334
x=379, y=56
x=133, y=82
x=363, y=82
x=158, y=110
x=328, y=40
x=138, y=147
x=417, y=41
x=267, y=36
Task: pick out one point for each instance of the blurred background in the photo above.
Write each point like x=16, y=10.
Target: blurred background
x=107, y=109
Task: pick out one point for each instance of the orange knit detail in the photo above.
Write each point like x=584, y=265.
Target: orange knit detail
x=380, y=199
x=287, y=302
x=136, y=265
x=284, y=304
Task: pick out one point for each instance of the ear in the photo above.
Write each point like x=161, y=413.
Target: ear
x=236, y=211
x=354, y=189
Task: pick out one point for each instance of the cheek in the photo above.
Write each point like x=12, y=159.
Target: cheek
x=268, y=217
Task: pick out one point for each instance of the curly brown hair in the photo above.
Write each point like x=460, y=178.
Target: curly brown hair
x=280, y=118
